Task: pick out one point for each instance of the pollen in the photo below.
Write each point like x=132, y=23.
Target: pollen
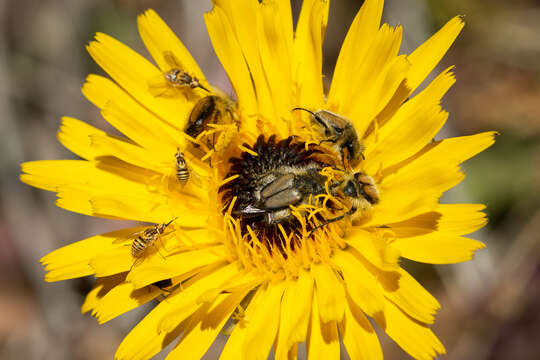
x=276, y=196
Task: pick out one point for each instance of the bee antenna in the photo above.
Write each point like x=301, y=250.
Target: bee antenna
x=169, y=223
x=303, y=109
x=315, y=116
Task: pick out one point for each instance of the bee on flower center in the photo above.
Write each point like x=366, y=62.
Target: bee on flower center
x=358, y=191
x=285, y=174
x=340, y=133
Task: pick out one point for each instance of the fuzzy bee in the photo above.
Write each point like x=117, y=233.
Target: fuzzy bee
x=358, y=190
x=339, y=132
x=212, y=110
x=285, y=174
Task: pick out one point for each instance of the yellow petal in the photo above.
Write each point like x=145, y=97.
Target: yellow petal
x=132, y=119
x=199, y=335
x=273, y=39
x=455, y=219
x=155, y=269
x=244, y=17
x=144, y=341
x=412, y=127
x=438, y=248
x=404, y=291
x=159, y=38
x=230, y=55
x=414, y=190
x=308, y=43
x=452, y=150
x=73, y=201
x=133, y=72
x=205, y=326
x=412, y=336
x=52, y=175
x=418, y=225
x=241, y=281
x=128, y=152
x=358, y=41
x=89, y=190
x=184, y=301
x=101, y=287
x=143, y=207
x=415, y=186
x=263, y=323
x=461, y=219
x=234, y=348
x=374, y=248
x=375, y=79
x=73, y=260
x=76, y=135
x=113, y=261
x=323, y=338
x=358, y=336
x=361, y=285
x=330, y=293
x=427, y=56
x=295, y=313
x=366, y=108
x=121, y=299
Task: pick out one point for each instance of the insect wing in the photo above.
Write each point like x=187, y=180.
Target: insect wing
x=158, y=86
x=171, y=60
x=250, y=209
x=129, y=239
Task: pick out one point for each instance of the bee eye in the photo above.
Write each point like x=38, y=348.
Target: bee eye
x=337, y=130
x=350, y=148
x=350, y=189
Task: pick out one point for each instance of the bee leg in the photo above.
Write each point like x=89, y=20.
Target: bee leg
x=134, y=262
x=325, y=223
x=351, y=211
x=330, y=140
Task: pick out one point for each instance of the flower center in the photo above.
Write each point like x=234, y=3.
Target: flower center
x=283, y=202
x=272, y=179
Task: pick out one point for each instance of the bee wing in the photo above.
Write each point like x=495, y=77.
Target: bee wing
x=159, y=86
x=172, y=60
x=171, y=182
x=129, y=238
x=251, y=210
x=122, y=240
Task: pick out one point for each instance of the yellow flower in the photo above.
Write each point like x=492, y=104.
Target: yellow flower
x=290, y=240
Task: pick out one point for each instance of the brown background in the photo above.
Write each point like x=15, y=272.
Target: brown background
x=490, y=306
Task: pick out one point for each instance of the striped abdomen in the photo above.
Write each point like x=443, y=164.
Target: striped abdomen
x=182, y=171
x=141, y=242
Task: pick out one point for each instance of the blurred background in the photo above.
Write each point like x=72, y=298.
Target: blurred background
x=490, y=307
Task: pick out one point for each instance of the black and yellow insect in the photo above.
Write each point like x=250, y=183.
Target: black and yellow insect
x=182, y=170
x=144, y=239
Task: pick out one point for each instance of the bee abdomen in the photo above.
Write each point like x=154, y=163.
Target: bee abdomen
x=138, y=246
x=182, y=174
